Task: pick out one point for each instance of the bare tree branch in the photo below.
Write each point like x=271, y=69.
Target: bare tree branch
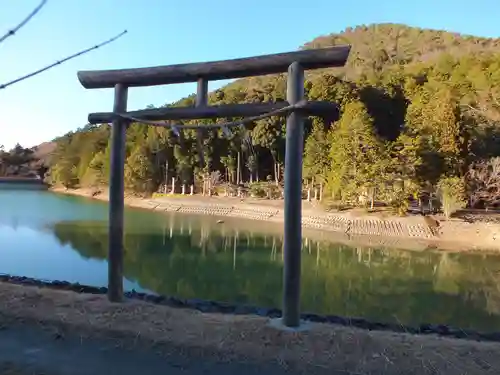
x=490, y=115
x=5, y=85
x=484, y=182
x=24, y=22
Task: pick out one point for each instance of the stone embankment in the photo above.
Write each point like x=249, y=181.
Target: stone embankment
x=338, y=222
x=453, y=235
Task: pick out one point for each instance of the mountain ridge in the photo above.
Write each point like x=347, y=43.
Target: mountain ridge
x=417, y=105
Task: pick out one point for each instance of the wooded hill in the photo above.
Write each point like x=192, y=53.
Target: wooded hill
x=25, y=162
x=419, y=109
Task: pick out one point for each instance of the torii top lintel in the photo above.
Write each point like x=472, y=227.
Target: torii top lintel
x=216, y=70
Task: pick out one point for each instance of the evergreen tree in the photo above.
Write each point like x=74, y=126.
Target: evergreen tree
x=358, y=161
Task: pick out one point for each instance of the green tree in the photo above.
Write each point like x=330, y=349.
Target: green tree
x=64, y=173
x=317, y=160
x=452, y=195
x=358, y=159
x=442, y=117
x=139, y=171
x=95, y=173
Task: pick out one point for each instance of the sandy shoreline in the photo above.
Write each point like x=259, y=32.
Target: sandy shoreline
x=369, y=229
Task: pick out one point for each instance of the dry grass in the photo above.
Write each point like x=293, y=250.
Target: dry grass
x=231, y=337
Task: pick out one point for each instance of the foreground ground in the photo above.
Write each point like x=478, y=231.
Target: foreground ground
x=58, y=332
x=31, y=349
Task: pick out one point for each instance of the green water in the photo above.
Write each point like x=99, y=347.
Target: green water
x=55, y=237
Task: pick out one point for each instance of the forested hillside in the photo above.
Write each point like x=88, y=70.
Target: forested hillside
x=420, y=109
x=25, y=162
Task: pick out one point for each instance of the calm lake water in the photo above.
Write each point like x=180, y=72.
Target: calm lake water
x=57, y=237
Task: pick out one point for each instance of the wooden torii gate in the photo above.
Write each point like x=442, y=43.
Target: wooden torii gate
x=296, y=108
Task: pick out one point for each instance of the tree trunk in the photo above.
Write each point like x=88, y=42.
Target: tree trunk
x=238, y=169
x=166, y=175
x=256, y=168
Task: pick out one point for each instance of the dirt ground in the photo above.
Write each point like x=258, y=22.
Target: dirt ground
x=29, y=349
x=59, y=332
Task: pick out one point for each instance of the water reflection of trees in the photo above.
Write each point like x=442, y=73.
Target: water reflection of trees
x=199, y=259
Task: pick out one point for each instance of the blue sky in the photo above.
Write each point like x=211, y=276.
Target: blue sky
x=163, y=32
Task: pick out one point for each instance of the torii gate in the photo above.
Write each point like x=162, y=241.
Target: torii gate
x=296, y=108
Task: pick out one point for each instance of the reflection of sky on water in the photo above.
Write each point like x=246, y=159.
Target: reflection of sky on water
x=28, y=246
x=39, y=208
x=37, y=253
